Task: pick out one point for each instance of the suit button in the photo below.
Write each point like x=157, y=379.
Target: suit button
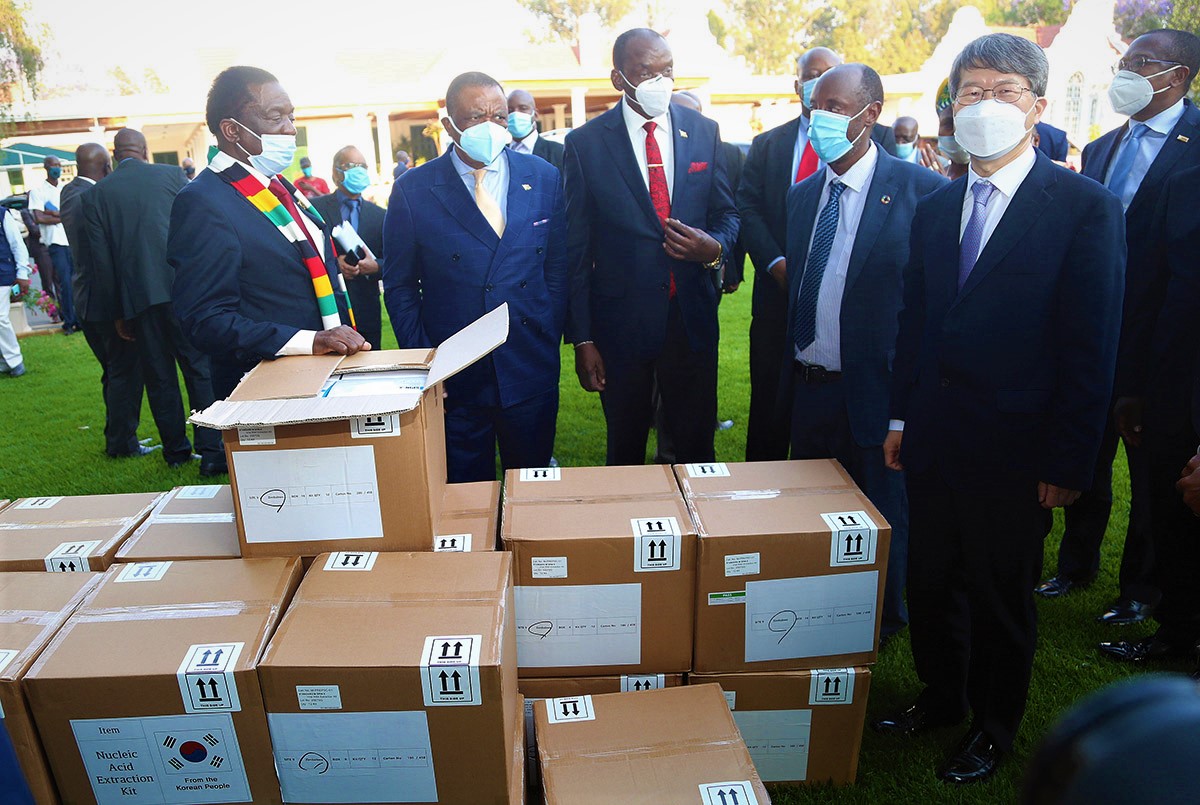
x=488, y=287
x=524, y=320
x=524, y=283
x=454, y=257
x=666, y=285
x=540, y=250
x=945, y=382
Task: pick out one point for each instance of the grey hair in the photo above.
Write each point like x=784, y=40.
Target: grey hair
x=1007, y=54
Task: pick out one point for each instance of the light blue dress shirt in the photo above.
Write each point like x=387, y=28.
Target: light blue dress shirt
x=1151, y=143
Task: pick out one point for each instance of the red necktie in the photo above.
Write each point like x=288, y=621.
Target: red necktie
x=808, y=163
x=280, y=192
x=658, y=184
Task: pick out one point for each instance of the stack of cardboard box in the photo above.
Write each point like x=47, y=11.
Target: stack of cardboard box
x=69, y=534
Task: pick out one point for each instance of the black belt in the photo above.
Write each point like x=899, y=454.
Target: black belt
x=815, y=375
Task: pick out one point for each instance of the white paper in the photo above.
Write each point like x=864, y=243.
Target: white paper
x=366, y=384
x=632, y=683
x=732, y=597
x=71, y=557
x=811, y=617
x=206, y=680
x=452, y=543
x=450, y=670
x=656, y=544
x=319, y=697
x=853, y=538
x=831, y=686
x=742, y=564
x=548, y=567
x=351, y=560
x=37, y=503
x=570, y=708
x=578, y=625
x=778, y=741
x=730, y=792
x=200, y=492
x=143, y=571
x=529, y=474
x=256, y=435
x=375, y=426
x=710, y=470
x=353, y=757
x=165, y=759
x=308, y=494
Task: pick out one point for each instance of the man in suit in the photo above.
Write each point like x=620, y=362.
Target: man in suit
x=127, y=217
x=247, y=289
x=1161, y=138
x=477, y=227
x=1159, y=411
x=650, y=219
x=848, y=228
x=346, y=205
x=1003, y=376
x=908, y=138
x=523, y=126
x=98, y=307
x=1052, y=141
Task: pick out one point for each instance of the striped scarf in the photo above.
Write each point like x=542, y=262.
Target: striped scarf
x=266, y=203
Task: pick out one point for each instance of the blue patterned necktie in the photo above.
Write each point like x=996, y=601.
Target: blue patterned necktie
x=804, y=322
x=1119, y=176
x=973, y=236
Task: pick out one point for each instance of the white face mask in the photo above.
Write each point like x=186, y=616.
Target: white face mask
x=952, y=151
x=653, y=94
x=990, y=129
x=278, y=151
x=1130, y=92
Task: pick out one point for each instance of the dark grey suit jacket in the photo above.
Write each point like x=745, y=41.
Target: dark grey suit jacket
x=128, y=217
x=95, y=293
x=549, y=151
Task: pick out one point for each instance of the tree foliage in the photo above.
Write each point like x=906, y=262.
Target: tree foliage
x=20, y=53
x=561, y=17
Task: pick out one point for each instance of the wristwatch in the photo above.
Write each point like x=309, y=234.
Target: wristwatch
x=715, y=263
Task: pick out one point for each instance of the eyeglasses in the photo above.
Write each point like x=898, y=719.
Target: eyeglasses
x=1138, y=63
x=1007, y=93
x=348, y=165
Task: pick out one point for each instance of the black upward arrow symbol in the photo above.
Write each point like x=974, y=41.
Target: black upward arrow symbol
x=62, y=566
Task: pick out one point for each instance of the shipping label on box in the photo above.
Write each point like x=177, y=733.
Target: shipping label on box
x=811, y=617
x=579, y=625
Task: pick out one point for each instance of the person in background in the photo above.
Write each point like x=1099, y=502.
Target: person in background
x=15, y=268
x=346, y=205
x=1003, y=378
x=45, y=202
x=948, y=158
x=311, y=186
x=403, y=163
x=189, y=168
x=478, y=227
x=1052, y=141
x=523, y=126
x=907, y=139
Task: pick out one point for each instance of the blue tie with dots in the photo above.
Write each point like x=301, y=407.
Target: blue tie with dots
x=972, y=239
x=804, y=321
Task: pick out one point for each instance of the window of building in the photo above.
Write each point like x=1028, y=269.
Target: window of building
x=1074, y=104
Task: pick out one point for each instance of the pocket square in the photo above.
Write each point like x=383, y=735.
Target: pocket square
x=543, y=221
x=697, y=167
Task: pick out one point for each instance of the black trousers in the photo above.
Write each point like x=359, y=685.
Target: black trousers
x=161, y=346
x=687, y=385
x=1087, y=519
x=364, y=297
x=1176, y=539
x=973, y=560
x=121, y=385
x=767, y=428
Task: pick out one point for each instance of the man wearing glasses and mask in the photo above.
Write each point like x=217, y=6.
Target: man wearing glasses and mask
x=346, y=205
x=1002, y=381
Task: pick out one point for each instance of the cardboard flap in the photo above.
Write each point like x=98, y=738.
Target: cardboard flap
x=385, y=360
x=227, y=414
x=286, y=378
x=468, y=345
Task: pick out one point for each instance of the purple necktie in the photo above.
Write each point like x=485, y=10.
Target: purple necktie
x=973, y=236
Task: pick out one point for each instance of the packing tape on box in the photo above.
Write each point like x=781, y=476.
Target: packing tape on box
x=218, y=517
x=212, y=609
x=32, y=617
x=122, y=522
x=763, y=494
x=585, y=498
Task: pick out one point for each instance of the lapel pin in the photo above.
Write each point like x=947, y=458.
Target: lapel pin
x=525, y=187
x=886, y=200
x=683, y=134
x=1183, y=138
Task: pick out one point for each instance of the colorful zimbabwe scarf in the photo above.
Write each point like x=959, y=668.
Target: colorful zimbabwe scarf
x=266, y=203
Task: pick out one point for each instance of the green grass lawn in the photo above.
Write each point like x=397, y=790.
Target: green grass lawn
x=53, y=444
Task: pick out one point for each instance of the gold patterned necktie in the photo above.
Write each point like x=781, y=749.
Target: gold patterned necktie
x=487, y=204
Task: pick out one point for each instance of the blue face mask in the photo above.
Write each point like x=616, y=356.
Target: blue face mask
x=806, y=91
x=356, y=179
x=54, y=172
x=484, y=142
x=905, y=150
x=827, y=133
x=307, y=171
x=520, y=125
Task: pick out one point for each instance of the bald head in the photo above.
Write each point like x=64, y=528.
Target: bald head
x=685, y=97
x=905, y=129
x=853, y=81
x=130, y=143
x=91, y=160
x=814, y=63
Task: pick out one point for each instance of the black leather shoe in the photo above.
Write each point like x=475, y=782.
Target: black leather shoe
x=1195, y=675
x=1148, y=648
x=911, y=721
x=142, y=450
x=183, y=462
x=210, y=469
x=1125, y=612
x=973, y=760
x=1056, y=587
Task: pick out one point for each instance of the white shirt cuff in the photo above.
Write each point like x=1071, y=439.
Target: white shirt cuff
x=773, y=262
x=299, y=344
x=896, y=424
x=22, y=272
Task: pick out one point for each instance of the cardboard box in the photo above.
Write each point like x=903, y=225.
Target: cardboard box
x=397, y=673
x=754, y=479
x=77, y=534
x=344, y=453
x=676, y=745
x=190, y=522
x=470, y=518
x=148, y=693
x=800, y=726
x=603, y=587
x=32, y=608
x=572, y=484
x=788, y=582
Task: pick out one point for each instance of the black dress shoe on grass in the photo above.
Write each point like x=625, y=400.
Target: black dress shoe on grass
x=211, y=469
x=1146, y=649
x=1056, y=587
x=1126, y=612
x=912, y=721
x=973, y=760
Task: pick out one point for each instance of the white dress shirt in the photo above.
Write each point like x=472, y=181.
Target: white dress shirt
x=826, y=348
x=1148, y=147
x=39, y=197
x=662, y=135
x=495, y=181
x=797, y=152
x=526, y=145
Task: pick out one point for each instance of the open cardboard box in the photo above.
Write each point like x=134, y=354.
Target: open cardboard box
x=334, y=453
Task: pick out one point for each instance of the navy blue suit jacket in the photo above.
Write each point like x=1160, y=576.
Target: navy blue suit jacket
x=1052, y=142
x=618, y=269
x=444, y=267
x=1008, y=382
x=874, y=283
x=241, y=289
x=762, y=204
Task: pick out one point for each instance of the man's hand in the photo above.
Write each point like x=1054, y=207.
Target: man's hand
x=732, y=288
x=589, y=366
x=23, y=285
x=1189, y=484
x=685, y=242
x=348, y=271
x=124, y=330
x=891, y=450
x=779, y=273
x=341, y=340
x=48, y=217
x=1128, y=413
x=1054, y=497
x=929, y=158
x=367, y=265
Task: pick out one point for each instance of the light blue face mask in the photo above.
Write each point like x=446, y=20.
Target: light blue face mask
x=905, y=150
x=806, y=91
x=356, y=179
x=484, y=142
x=520, y=124
x=827, y=133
